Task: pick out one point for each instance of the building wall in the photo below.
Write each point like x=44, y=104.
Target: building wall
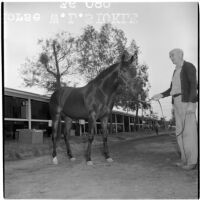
x=31, y=111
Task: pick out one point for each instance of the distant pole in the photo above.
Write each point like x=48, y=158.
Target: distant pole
x=139, y=98
x=29, y=113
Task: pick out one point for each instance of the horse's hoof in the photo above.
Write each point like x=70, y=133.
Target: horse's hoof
x=109, y=160
x=72, y=159
x=55, y=161
x=90, y=163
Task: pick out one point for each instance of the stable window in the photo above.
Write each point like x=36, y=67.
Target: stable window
x=113, y=118
x=119, y=119
x=39, y=110
x=15, y=107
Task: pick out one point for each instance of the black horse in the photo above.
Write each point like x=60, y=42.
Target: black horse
x=91, y=102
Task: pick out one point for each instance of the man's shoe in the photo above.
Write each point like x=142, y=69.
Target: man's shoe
x=189, y=167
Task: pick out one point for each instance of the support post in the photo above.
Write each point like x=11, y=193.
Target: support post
x=29, y=113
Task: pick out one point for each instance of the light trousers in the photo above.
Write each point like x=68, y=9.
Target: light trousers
x=186, y=131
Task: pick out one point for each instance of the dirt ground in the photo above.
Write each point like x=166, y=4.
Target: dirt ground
x=141, y=169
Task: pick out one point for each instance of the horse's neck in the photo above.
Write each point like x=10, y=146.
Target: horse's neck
x=108, y=84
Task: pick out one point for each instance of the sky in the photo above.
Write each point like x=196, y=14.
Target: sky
x=156, y=27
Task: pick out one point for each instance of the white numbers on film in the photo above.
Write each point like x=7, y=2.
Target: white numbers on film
x=65, y=5
x=97, y=4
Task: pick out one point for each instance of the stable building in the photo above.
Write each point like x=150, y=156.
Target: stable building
x=25, y=110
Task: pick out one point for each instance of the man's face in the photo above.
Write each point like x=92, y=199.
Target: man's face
x=175, y=57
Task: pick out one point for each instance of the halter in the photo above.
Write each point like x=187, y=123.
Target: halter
x=123, y=78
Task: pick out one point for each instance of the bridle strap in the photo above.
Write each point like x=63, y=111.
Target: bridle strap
x=120, y=76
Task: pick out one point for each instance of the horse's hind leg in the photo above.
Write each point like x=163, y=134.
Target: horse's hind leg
x=104, y=123
x=55, y=135
x=68, y=125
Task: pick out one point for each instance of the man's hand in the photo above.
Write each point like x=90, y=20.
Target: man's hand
x=190, y=108
x=157, y=97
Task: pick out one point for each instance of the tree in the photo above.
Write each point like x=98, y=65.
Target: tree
x=90, y=53
x=55, y=61
x=98, y=50
x=135, y=98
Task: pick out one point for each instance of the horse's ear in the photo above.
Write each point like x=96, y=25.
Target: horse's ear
x=123, y=58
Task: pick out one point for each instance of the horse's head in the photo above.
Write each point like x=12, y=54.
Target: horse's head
x=127, y=71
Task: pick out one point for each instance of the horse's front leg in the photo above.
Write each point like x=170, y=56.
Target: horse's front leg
x=104, y=124
x=92, y=131
x=56, y=126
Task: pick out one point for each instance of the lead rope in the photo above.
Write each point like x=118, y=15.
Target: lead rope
x=161, y=108
x=162, y=113
x=159, y=105
x=183, y=126
x=181, y=132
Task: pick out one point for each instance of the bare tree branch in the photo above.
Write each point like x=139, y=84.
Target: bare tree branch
x=65, y=53
x=48, y=70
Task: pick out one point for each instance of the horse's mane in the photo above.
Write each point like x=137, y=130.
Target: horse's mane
x=103, y=73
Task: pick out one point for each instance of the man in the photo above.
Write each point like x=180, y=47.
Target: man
x=156, y=126
x=183, y=90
